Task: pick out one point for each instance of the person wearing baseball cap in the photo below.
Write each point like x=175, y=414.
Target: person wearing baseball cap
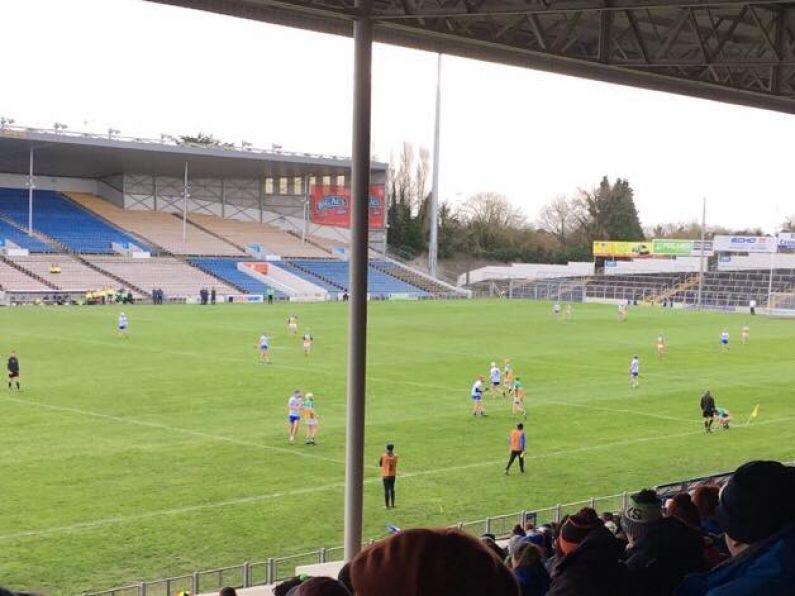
x=756, y=510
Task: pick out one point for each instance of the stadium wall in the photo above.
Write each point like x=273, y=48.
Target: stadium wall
x=755, y=261
x=526, y=271
x=104, y=188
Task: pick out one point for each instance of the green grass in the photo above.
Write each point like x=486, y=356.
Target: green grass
x=129, y=460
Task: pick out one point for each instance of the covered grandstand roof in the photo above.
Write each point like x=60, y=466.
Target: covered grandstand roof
x=88, y=156
x=734, y=51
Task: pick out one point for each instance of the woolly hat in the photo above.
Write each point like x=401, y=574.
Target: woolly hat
x=757, y=501
x=321, y=586
x=573, y=532
x=643, y=509
x=422, y=562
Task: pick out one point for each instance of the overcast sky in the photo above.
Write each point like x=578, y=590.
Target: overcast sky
x=148, y=69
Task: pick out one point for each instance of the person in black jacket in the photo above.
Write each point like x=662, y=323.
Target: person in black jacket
x=708, y=410
x=588, y=559
x=662, y=550
x=13, y=370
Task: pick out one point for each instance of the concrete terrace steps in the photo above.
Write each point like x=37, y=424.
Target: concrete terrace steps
x=28, y=273
x=192, y=221
x=124, y=282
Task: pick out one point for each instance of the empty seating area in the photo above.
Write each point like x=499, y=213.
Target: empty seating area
x=12, y=279
x=333, y=276
x=244, y=233
x=738, y=288
x=160, y=228
x=410, y=277
x=60, y=219
x=22, y=239
x=74, y=276
x=176, y=278
x=227, y=270
x=629, y=287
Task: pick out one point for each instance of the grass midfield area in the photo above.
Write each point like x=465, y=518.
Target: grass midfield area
x=125, y=460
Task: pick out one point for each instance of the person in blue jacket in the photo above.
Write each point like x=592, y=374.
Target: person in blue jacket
x=757, y=514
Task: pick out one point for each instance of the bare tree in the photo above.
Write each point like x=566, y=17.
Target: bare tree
x=788, y=225
x=561, y=217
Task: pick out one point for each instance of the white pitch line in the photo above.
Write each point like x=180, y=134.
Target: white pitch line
x=315, y=489
x=586, y=406
x=173, y=429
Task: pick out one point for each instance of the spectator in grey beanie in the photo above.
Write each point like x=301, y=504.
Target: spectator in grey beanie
x=662, y=550
x=757, y=513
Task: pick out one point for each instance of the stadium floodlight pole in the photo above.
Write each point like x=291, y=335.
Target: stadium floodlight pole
x=306, y=204
x=357, y=306
x=772, y=268
x=701, y=260
x=31, y=185
x=433, y=244
x=185, y=206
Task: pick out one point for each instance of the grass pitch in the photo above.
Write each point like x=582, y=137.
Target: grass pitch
x=124, y=460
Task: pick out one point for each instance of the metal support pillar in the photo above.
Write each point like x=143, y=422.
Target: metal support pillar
x=357, y=306
x=306, y=207
x=261, y=199
x=701, y=260
x=223, y=197
x=185, y=206
x=31, y=186
x=770, y=281
x=433, y=243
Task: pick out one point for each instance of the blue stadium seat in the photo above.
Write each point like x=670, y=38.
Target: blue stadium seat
x=61, y=219
x=21, y=239
x=336, y=272
x=226, y=269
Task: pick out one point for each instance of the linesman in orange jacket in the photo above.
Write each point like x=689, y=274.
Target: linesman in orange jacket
x=517, y=447
x=388, y=464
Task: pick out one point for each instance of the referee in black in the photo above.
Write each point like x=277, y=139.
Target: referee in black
x=708, y=410
x=13, y=370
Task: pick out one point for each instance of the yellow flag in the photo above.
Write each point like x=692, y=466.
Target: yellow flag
x=755, y=413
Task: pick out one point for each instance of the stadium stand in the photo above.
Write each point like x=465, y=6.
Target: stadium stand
x=332, y=275
x=410, y=277
x=22, y=239
x=62, y=220
x=74, y=276
x=295, y=267
x=177, y=278
x=641, y=286
x=162, y=229
x=244, y=233
x=12, y=278
x=738, y=288
x=226, y=269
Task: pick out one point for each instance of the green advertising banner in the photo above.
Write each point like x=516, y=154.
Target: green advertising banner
x=667, y=247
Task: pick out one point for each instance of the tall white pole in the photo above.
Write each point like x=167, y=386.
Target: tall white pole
x=306, y=205
x=433, y=244
x=30, y=194
x=701, y=260
x=185, y=206
x=770, y=281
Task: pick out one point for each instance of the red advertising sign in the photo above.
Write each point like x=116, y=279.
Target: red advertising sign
x=331, y=206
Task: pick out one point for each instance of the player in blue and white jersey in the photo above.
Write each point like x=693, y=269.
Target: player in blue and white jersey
x=264, y=346
x=477, y=397
x=295, y=405
x=122, y=325
x=724, y=340
x=495, y=375
x=556, y=310
x=634, y=371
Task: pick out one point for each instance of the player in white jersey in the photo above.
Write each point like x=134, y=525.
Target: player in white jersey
x=634, y=371
x=622, y=312
x=746, y=334
x=477, y=397
x=307, y=339
x=556, y=310
x=122, y=325
x=294, y=407
x=724, y=340
x=264, y=346
x=495, y=378
x=292, y=324
x=661, y=346
x=568, y=312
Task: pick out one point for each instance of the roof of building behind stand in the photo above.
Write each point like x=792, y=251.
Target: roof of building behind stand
x=733, y=51
x=82, y=155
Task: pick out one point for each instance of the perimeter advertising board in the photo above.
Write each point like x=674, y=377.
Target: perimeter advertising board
x=330, y=206
x=786, y=241
x=748, y=244
x=668, y=247
x=616, y=248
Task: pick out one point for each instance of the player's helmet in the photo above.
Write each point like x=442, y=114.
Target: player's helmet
x=310, y=395
x=494, y=364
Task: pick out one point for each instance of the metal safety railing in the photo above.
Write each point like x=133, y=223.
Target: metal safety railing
x=276, y=569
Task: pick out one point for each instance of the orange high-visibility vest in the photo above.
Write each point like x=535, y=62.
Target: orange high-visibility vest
x=389, y=464
x=516, y=440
